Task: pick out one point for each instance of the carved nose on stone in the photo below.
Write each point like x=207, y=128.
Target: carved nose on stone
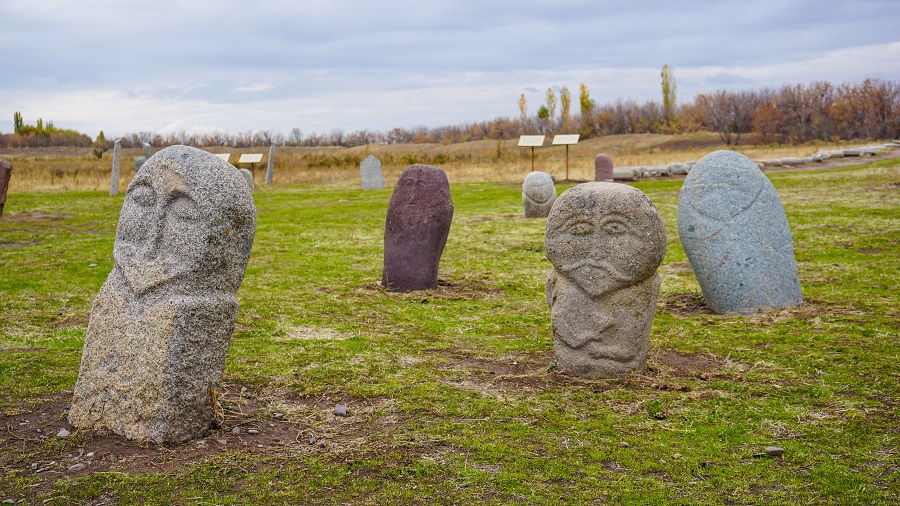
x=154, y=236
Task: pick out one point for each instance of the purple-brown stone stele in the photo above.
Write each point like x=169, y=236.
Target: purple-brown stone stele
x=603, y=167
x=5, y=173
x=416, y=229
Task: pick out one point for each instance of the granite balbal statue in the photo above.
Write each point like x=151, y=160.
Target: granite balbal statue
x=605, y=242
x=538, y=194
x=160, y=327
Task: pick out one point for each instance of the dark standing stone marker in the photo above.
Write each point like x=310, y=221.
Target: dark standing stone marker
x=603, y=167
x=5, y=173
x=418, y=222
x=734, y=231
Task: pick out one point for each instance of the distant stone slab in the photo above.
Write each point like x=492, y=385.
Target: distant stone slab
x=5, y=174
x=159, y=329
x=627, y=173
x=538, y=194
x=248, y=178
x=270, y=166
x=138, y=162
x=605, y=242
x=370, y=173
x=114, y=175
x=603, y=167
x=736, y=235
x=416, y=229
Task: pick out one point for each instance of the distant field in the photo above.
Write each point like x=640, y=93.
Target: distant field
x=451, y=393
x=78, y=169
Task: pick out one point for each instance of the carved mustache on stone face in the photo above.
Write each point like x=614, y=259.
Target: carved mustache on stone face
x=595, y=269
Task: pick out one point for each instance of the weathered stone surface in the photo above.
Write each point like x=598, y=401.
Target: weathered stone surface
x=603, y=167
x=416, y=229
x=538, y=194
x=248, y=178
x=626, y=173
x=370, y=174
x=678, y=169
x=270, y=168
x=735, y=233
x=147, y=152
x=114, y=176
x=138, y=162
x=159, y=328
x=5, y=174
x=605, y=242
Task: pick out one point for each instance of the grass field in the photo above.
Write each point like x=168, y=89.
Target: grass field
x=451, y=393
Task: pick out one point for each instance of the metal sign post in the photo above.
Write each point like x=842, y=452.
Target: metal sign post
x=531, y=141
x=566, y=140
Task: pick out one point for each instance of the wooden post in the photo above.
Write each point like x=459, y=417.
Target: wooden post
x=567, y=162
x=532, y=158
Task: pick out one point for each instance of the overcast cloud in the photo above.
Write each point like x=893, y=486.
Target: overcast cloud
x=238, y=65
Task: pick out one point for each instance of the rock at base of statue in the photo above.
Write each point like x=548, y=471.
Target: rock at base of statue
x=735, y=233
x=416, y=229
x=138, y=162
x=371, y=174
x=5, y=174
x=159, y=329
x=603, y=167
x=538, y=194
x=605, y=242
x=248, y=177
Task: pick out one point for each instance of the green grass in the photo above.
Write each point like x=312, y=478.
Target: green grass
x=454, y=394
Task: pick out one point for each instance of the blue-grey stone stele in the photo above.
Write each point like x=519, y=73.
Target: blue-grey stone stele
x=733, y=228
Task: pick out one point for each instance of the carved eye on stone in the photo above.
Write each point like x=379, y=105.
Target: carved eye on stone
x=143, y=195
x=185, y=208
x=579, y=227
x=615, y=227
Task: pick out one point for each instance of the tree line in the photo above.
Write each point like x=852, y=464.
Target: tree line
x=791, y=114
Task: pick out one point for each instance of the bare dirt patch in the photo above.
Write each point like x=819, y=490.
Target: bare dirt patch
x=684, y=304
x=456, y=289
x=683, y=364
x=34, y=216
x=250, y=423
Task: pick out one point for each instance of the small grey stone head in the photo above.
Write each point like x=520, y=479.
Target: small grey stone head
x=605, y=236
x=538, y=194
x=187, y=223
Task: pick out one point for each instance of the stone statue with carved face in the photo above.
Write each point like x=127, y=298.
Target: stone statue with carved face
x=605, y=242
x=160, y=327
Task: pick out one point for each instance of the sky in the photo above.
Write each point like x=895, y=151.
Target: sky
x=200, y=66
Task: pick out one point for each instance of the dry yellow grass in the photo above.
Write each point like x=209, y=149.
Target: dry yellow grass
x=489, y=160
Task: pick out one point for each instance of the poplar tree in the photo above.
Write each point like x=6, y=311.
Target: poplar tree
x=551, y=103
x=669, y=89
x=523, y=109
x=565, y=103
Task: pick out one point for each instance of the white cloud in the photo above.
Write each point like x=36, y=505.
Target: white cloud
x=173, y=65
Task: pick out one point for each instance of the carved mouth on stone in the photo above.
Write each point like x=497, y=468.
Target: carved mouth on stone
x=142, y=275
x=597, y=277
